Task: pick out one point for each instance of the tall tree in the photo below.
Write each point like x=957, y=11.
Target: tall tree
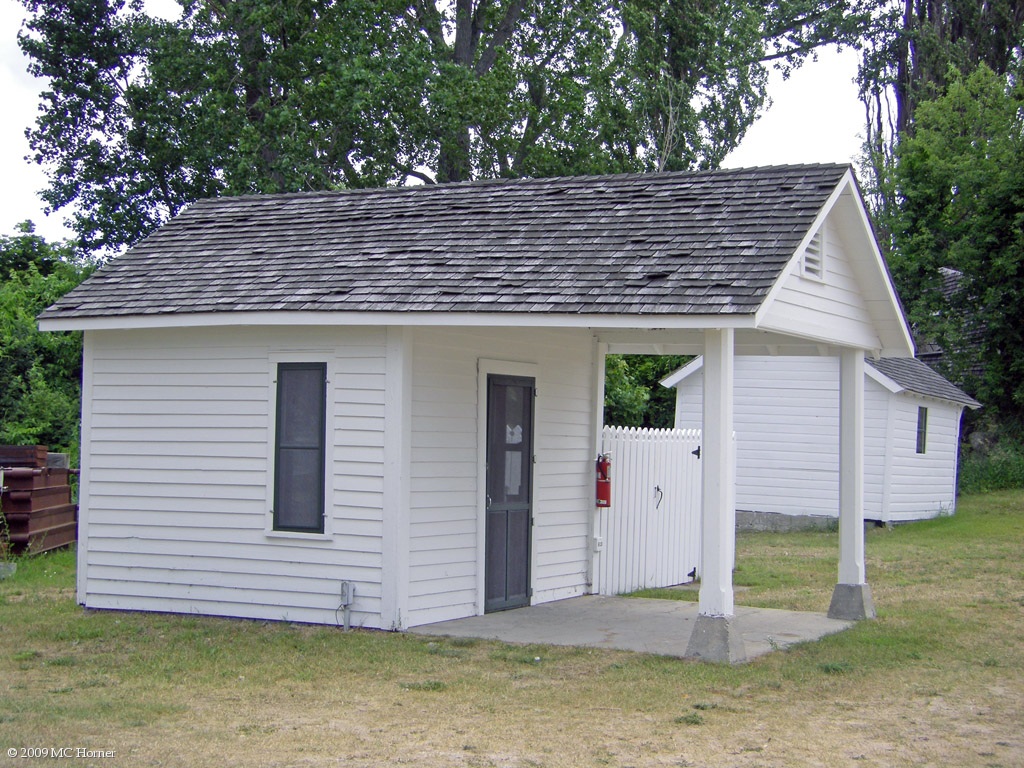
x=40, y=373
x=143, y=116
x=960, y=183
x=907, y=62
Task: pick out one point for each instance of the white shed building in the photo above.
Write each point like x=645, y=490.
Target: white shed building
x=400, y=389
x=787, y=435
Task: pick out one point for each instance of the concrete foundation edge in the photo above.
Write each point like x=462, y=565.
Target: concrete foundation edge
x=777, y=522
x=851, y=602
x=716, y=639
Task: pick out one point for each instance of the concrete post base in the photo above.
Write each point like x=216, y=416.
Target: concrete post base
x=851, y=602
x=714, y=638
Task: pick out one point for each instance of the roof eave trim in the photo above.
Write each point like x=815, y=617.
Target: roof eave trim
x=906, y=337
x=673, y=379
x=883, y=380
x=959, y=402
x=448, y=319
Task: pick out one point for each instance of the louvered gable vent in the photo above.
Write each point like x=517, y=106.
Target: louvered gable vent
x=813, y=264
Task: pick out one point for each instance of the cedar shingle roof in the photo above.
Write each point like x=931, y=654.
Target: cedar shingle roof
x=672, y=243
x=915, y=376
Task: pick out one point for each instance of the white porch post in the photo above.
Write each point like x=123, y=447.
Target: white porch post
x=394, y=599
x=851, y=598
x=600, y=352
x=714, y=637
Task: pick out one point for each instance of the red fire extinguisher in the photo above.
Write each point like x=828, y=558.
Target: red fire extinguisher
x=604, y=480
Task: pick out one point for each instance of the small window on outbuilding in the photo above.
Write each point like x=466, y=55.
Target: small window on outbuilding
x=813, y=261
x=299, y=447
x=922, y=429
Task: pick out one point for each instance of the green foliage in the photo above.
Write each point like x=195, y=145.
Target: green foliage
x=625, y=399
x=633, y=395
x=1000, y=469
x=960, y=181
x=40, y=373
x=943, y=173
x=25, y=248
x=143, y=116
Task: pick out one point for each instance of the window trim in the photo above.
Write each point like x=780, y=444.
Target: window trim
x=272, y=527
x=922, y=430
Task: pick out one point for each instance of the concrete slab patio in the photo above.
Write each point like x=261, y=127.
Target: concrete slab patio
x=634, y=624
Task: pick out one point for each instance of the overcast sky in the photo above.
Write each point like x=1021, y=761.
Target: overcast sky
x=815, y=117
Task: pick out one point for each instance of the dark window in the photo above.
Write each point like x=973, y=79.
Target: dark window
x=299, y=447
x=922, y=429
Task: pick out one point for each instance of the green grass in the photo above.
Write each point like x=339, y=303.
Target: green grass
x=937, y=679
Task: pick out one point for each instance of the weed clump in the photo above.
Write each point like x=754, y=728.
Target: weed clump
x=693, y=718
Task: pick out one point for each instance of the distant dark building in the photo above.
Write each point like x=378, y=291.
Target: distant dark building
x=930, y=351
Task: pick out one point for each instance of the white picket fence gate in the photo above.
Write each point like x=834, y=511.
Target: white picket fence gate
x=650, y=535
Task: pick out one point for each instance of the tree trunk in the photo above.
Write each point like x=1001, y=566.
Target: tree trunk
x=257, y=89
x=455, y=161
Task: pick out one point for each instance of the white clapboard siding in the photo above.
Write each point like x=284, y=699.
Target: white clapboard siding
x=787, y=441
x=876, y=436
x=445, y=533
x=923, y=484
x=786, y=420
x=650, y=535
x=177, y=463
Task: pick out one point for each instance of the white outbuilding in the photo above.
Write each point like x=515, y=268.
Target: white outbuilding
x=787, y=436
x=387, y=403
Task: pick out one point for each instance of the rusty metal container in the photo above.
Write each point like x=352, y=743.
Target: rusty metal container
x=23, y=455
x=36, y=500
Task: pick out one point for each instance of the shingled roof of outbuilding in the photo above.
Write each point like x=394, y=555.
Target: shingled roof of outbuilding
x=915, y=376
x=669, y=243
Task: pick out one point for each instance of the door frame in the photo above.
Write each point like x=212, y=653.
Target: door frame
x=485, y=368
